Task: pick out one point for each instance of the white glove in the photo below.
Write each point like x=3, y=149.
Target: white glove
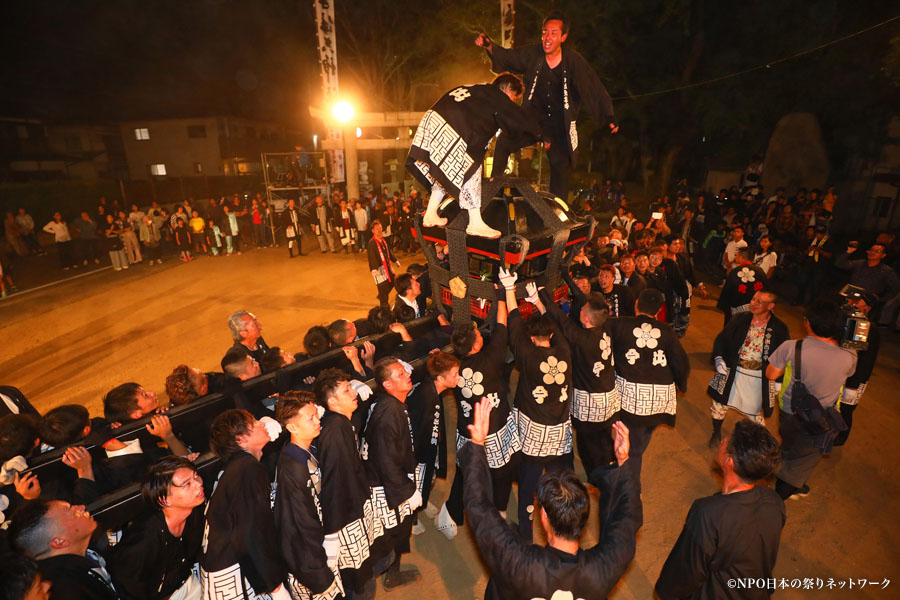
x=280, y=593
x=415, y=501
x=851, y=396
x=406, y=366
x=531, y=289
x=273, y=427
x=507, y=279
x=363, y=391
x=721, y=367
x=332, y=546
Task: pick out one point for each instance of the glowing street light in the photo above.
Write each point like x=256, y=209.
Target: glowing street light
x=359, y=132
x=342, y=111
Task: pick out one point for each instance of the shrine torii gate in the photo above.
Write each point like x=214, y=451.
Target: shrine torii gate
x=402, y=121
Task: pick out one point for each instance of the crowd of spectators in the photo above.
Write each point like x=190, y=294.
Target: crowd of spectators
x=630, y=299
x=212, y=227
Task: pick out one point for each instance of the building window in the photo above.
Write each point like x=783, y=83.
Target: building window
x=73, y=143
x=142, y=133
x=158, y=170
x=198, y=168
x=196, y=131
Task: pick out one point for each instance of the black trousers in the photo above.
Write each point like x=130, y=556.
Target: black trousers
x=384, y=292
x=639, y=437
x=530, y=471
x=594, y=443
x=501, y=480
x=557, y=156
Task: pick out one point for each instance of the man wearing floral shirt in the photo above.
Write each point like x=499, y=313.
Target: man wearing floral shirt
x=650, y=363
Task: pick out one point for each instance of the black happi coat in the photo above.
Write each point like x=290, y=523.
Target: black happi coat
x=240, y=527
x=150, y=562
x=544, y=391
x=481, y=375
x=727, y=345
x=388, y=456
x=648, y=358
x=636, y=283
x=620, y=300
x=580, y=83
x=741, y=284
x=75, y=577
x=426, y=414
x=346, y=497
x=726, y=538
x=292, y=218
x=451, y=140
x=298, y=519
x=522, y=571
x=593, y=374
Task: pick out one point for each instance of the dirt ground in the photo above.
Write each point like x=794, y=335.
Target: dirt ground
x=73, y=341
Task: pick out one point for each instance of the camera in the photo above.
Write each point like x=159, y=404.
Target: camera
x=856, y=324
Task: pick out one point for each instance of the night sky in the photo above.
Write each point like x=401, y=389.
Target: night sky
x=120, y=59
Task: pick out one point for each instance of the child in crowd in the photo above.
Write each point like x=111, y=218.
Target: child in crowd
x=183, y=240
x=198, y=233
x=214, y=237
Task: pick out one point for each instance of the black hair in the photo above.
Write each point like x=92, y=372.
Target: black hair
x=120, y=402
x=290, y=403
x=326, y=385
x=64, y=425
x=156, y=484
x=28, y=532
x=745, y=252
x=539, y=326
x=565, y=500
x=825, y=318
x=509, y=82
x=755, y=452
x=337, y=332
x=383, y=369
x=380, y=317
x=18, y=574
x=597, y=309
x=557, y=15
x=226, y=429
x=463, y=339
x=271, y=360
x=402, y=283
x=650, y=301
x=403, y=312
x=18, y=434
x=316, y=341
x=233, y=361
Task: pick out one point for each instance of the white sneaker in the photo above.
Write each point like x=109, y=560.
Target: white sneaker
x=445, y=523
x=418, y=528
